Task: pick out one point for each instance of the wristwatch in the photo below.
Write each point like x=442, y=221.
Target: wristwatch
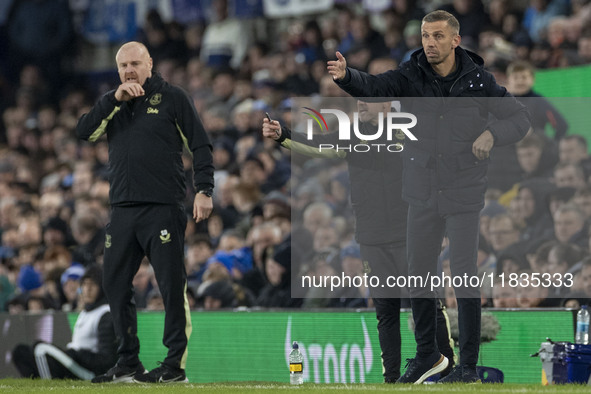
x=208, y=192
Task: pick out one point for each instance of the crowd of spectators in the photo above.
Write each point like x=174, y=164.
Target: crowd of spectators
x=272, y=221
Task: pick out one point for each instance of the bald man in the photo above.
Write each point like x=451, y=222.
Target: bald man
x=147, y=123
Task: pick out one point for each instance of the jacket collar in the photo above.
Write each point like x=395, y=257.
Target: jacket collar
x=470, y=60
x=153, y=82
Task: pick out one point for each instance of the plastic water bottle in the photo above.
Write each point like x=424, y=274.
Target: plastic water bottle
x=582, y=335
x=296, y=364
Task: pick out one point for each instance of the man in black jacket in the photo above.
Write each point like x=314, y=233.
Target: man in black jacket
x=444, y=177
x=380, y=221
x=147, y=122
x=93, y=348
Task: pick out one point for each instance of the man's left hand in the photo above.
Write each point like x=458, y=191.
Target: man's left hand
x=483, y=144
x=202, y=207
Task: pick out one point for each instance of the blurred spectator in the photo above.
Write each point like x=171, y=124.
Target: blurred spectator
x=582, y=199
x=89, y=233
x=237, y=262
x=412, y=38
x=364, y=34
x=277, y=264
x=261, y=238
x=160, y=44
x=30, y=283
x=246, y=199
x=471, y=15
x=218, y=295
x=199, y=250
x=573, y=149
x=55, y=233
x=530, y=152
x=491, y=209
x=569, y=175
x=503, y=232
x=143, y=282
x=531, y=296
x=317, y=215
x=538, y=15
x=532, y=210
x=352, y=267
x=511, y=260
x=326, y=238
x=29, y=42
x=230, y=240
x=70, y=282
x=504, y=296
x=154, y=301
x=558, y=198
x=561, y=259
x=520, y=81
x=225, y=40
x=223, y=86
x=569, y=225
x=311, y=45
x=576, y=298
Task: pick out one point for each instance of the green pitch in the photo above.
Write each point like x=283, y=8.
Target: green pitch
x=69, y=386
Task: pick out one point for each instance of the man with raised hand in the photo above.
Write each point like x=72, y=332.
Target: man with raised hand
x=444, y=176
x=380, y=221
x=148, y=122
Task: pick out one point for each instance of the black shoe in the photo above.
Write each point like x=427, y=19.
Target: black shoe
x=462, y=374
x=418, y=369
x=162, y=374
x=120, y=374
x=447, y=370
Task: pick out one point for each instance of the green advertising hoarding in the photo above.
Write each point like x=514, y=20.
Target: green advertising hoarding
x=337, y=346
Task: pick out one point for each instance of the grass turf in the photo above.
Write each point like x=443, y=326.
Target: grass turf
x=69, y=386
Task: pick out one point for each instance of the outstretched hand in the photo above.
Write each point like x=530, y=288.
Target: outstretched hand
x=338, y=68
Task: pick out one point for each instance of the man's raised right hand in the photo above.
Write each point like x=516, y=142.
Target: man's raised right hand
x=338, y=68
x=129, y=90
x=271, y=129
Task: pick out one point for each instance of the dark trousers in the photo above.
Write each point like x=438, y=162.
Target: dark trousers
x=425, y=231
x=47, y=361
x=390, y=260
x=157, y=232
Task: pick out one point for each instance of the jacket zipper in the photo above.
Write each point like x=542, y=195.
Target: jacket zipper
x=458, y=78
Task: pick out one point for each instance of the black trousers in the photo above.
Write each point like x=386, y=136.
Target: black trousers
x=48, y=362
x=425, y=231
x=390, y=260
x=156, y=231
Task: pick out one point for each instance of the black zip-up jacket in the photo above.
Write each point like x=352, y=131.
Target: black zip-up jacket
x=376, y=183
x=146, y=137
x=439, y=168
